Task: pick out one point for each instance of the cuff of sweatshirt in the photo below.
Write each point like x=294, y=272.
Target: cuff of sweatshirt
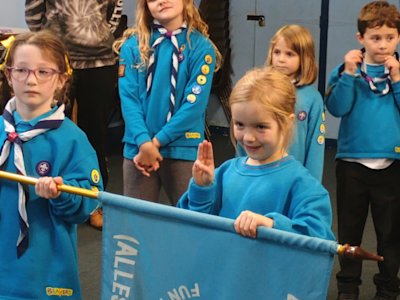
x=142, y=138
x=163, y=138
x=201, y=197
x=347, y=78
x=281, y=222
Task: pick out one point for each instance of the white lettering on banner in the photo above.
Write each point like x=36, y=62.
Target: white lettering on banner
x=183, y=292
x=123, y=266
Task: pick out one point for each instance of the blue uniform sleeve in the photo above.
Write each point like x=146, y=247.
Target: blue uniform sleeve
x=203, y=199
x=129, y=92
x=191, y=110
x=315, y=140
x=340, y=93
x=80, y=171
x=310, y=210
x=396, y=93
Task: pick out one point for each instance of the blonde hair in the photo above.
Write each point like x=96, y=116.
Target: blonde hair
x=299, y=39
x=377, y=14
x=142, y=29
x=274, y=91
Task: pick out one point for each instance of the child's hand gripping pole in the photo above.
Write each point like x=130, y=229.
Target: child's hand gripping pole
x=60, y=187
x=357, y=253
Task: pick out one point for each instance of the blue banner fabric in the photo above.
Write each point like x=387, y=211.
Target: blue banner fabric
x=157, y=252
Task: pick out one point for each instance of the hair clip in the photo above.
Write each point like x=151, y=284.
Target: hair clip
x=68, y=66
x=5, y=46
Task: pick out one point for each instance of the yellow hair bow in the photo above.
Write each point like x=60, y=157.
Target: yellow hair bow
x=67, y=64
x=5, y=46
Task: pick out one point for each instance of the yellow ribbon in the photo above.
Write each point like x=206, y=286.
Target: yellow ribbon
x=4, y=56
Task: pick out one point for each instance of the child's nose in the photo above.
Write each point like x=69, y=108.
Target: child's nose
x=248, y=136
x=31, y=76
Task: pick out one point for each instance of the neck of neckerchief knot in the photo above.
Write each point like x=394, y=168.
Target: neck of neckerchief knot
x=171, y=35
x=52, y=121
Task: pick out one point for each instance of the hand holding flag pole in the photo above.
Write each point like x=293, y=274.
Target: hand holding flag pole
x=352, y=252
x=61, y=187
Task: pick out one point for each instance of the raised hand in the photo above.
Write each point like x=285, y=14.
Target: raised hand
x=351, y=61
x=393, y=66
x=203, y=167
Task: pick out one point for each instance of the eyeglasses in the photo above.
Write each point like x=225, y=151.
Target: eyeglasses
x=41, y=74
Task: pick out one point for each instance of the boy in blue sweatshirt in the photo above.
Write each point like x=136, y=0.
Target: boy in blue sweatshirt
x=364, y=92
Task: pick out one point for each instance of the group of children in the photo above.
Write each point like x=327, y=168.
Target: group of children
x=166, y=68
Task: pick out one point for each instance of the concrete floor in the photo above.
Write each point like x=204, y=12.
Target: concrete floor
x=89, y=244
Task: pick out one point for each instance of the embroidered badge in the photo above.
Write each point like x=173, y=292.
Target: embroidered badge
x=302, y=115
x=205, y=69
x=55, y=291
x=192, y=135
x=121, y=71
x=322, y=128
x=95, y=176
x=43, y=168
x=191, y=98
x=208, y=59
x=320, y=139
x=196, y=89
x=201, y=79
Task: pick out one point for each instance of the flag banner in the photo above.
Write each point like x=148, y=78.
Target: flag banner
x=157, y=252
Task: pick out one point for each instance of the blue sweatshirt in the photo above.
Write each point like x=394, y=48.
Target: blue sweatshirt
x=145, y=115
x=283, y=190
x=370, y=123
x=49, y=267
x=308, y=143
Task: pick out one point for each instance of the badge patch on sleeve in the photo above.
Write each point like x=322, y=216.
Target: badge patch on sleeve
x=121, y=70
x=208, y=59
x=95, y=176
x=322, y=128
x=192, y=135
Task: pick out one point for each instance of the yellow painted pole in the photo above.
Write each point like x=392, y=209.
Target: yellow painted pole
x=61, y=187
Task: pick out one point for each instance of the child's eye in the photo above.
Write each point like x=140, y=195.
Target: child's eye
x=262, y=126
x=238, y=124
x=276, y=52
x=44, y=72
x=21, y=71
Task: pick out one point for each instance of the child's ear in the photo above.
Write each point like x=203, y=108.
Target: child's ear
x=62, y=79
x=360, y=38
